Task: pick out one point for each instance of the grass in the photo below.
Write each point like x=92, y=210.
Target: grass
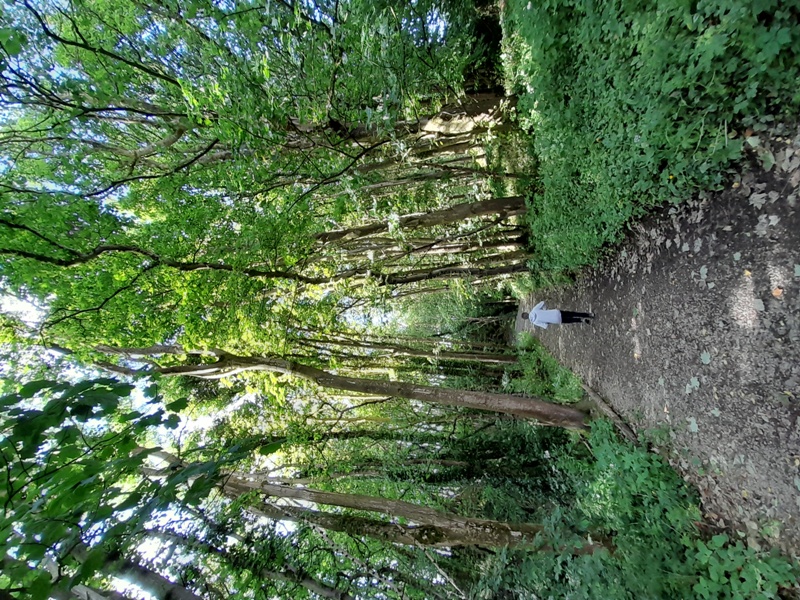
x=633, y=103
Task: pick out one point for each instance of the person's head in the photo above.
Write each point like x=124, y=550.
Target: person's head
x=525, y=315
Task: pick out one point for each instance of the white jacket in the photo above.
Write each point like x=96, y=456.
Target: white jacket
x=542, y=317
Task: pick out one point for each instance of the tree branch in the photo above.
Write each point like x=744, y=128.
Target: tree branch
x=101, y=51
x=74, y=313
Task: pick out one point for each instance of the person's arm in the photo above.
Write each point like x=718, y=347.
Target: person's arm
x=538, y=306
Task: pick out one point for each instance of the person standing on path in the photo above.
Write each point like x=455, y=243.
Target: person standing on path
x=541, y=316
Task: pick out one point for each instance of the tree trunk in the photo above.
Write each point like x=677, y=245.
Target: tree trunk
x=473, y=114
x=228, y=364
x=449, y=531
x=391, y=248
x=511, y=206
x=84, y=592
x=547, y=413
x=431, y=527
x=482, y=533
x=438, y=340
x=398, y=350
x=419, y=290
x=411, y=180
x=451, y=271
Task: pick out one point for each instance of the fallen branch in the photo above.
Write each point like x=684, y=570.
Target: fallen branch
x=604, y=408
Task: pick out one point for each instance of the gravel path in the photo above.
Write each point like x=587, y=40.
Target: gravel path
x=698, y=330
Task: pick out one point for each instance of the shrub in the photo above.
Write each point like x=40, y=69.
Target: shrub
x=635, y=498
x=636, y=102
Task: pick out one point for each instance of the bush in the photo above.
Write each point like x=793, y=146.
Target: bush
x=636, y=102
x=634, y=498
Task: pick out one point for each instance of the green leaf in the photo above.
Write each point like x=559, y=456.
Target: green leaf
x=41, y=586
x=122, y=389
x=718, y=541
x=10, y=400
x=131, y=501
x=705, y=358
x=82, y=386
x=199, y=489
x=81, y=412
x=29, y=390
x=95, y=560
x=152, y=419
x=178, y=405
x=107, y=400
x=270, y=448
x=12, y=41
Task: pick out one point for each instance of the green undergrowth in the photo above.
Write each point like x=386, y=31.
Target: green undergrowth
x=632, y=103
x=542, y=375
x=633, y=499
x=512, y=157
x=604, y=488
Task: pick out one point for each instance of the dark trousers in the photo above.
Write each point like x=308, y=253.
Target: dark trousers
x=567, y=316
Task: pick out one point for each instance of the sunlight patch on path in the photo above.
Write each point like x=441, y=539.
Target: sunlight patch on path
x=778, y=277
x=743, y=303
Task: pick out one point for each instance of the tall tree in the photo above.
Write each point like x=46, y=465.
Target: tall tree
x=228, y=364
x=104, y=491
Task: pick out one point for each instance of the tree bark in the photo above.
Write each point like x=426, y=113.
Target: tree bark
x=430, y=527
x=451, y=271
x=511, y=206
x=398, y=350
x=229, y=364
x=545, y=412
x=388, y=248
x=83, y=592
x=153, y=583
x=447, y=531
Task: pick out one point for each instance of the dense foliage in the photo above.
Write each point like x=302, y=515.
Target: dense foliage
x=659, y=551
x=288, y=229
x=635, y=103
x=88, y=496
x=189, y=170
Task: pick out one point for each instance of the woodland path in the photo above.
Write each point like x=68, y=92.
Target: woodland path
x=697, y=330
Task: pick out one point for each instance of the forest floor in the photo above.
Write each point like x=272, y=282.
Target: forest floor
x=697, y=333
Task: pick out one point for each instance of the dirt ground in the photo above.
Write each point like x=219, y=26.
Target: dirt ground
x=698, y=330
